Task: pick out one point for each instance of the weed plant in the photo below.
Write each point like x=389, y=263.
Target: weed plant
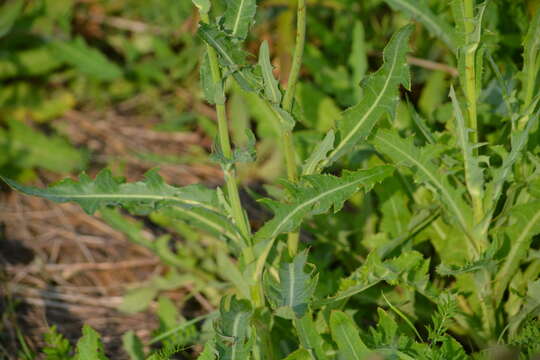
x=453, y=269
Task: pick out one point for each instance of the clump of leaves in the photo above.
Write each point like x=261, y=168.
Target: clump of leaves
x=454, y=200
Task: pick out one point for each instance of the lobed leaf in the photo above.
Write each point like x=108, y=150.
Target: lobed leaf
x=316, y=194
x=291, y=294
x=239, y=16
x=89, y=346
x=419, y=10
x=194, y=203
x=380, y=95
x=408, y=269
x=232, y=329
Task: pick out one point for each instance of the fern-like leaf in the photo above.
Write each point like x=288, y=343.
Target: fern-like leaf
x=316, y=194
x=380, y=95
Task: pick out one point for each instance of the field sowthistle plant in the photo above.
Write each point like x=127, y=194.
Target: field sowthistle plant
x=473, y=200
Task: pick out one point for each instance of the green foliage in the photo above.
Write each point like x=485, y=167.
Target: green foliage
x=57, y=347
x=448, y=241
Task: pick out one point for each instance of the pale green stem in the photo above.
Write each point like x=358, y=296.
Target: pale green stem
x=230, y=175
x=288, y=101
x=486, y=300
x=471, y=94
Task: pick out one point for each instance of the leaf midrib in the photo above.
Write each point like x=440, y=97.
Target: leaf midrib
x=238, y=17
x=371, y=109
x=315, y=199
x=104, y=196
x=454, y=206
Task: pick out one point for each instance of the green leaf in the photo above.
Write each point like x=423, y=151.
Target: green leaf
x=300, y=354
x=89, y=346
x=106, y=190
x=531, y=60
x=271, y=88
x=503, y=174
x=319, y=154
x=30, y=148
x=210, y=89
x=408, y=269
x=474, y=176
x=525, y=224
x=209, y=351
x=345, y=334
x=232, y=57
x=317, y=194
x=230, y=272
x=291, y=293
x=203, y=5
x=233, y=340
x=393, y=203
x=87, y=60
x=358, y=59
x=9, y=12
x=309, y=337
x=380, y=95
x=133, y=345
x=419, y=10
x=421, y=161
x=239, y=16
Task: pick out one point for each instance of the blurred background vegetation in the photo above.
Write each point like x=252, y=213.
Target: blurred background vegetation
x=87, y=84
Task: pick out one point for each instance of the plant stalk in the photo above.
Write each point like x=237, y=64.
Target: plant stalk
x=287, y=104
x=230, y=174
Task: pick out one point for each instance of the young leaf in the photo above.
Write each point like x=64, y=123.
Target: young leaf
x=319, y=154
x=418, y=10
x=231, y=57
x=271, y=89
x=380, y=94
x=316, y=194
x=89, y=346
x=238, y=17
x=345, y=334
x=209, y=351
x=233, y=341
x=526, y=224
x=420, y=160
x=291, y=295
